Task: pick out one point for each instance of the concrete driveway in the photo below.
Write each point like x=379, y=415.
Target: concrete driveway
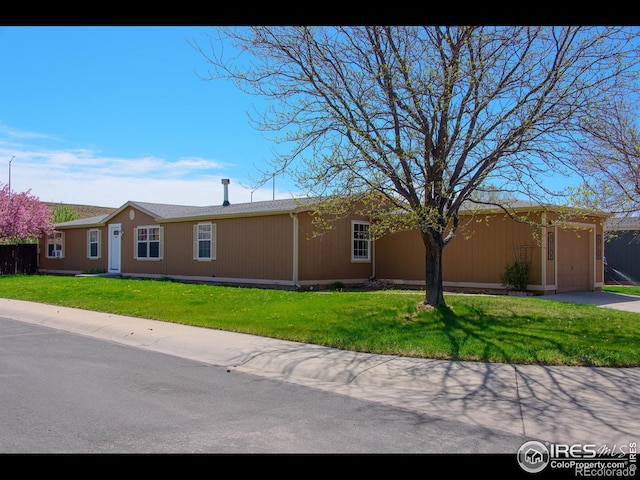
x=617, y=301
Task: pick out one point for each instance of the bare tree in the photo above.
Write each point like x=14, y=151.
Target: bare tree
x=414, y=122
x=609, y=152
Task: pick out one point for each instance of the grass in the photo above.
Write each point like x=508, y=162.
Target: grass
x=487, y=328
x=626, y=289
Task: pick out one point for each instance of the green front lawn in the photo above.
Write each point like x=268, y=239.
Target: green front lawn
x=488, y=328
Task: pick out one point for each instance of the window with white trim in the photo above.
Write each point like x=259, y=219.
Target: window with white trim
x=55, y=245
x=93, y=243
x=204, y=241
x=148, y=243
x=360, y=241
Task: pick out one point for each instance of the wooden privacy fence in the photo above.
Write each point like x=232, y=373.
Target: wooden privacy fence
x=19, y=259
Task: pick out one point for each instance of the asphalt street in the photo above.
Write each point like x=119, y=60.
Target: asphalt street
x=555, y=404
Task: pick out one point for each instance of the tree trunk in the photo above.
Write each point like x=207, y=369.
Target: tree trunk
x=434, y=295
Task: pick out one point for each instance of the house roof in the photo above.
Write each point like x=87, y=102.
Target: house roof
x=622, y=223
x=166, y=213
x=525, y=206
x=163, y=212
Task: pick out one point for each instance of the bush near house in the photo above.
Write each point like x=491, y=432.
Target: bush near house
x=516, y=277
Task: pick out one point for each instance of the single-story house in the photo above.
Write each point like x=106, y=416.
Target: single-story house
x=271, y=243
x=622, y=250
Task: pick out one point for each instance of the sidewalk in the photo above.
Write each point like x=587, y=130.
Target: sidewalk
x=565, y=405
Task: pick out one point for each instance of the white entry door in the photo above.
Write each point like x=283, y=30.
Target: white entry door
x=115, y=238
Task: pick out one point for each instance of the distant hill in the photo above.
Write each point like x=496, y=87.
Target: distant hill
x=85, y=211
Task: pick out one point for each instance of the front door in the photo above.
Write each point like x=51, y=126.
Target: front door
x=115, y=236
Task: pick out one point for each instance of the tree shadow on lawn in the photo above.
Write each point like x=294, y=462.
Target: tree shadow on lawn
x=527, y=338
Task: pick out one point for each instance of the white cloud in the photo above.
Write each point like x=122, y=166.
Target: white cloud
x=13, y=133
x=80, y=176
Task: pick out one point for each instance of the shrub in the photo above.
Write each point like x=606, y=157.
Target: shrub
x=516, y=276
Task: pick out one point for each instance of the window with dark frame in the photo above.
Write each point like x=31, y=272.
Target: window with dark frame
x=551, y=245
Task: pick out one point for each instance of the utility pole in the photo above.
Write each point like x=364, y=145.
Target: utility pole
x=10, y=174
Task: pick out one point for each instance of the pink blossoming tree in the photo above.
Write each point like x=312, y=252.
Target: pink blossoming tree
x=22, y=216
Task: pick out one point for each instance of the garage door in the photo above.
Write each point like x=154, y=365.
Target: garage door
x=573, y=261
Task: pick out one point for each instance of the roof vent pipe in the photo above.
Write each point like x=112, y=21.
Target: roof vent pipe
x=225, y=182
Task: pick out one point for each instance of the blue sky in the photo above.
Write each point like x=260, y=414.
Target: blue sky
x=103, y=115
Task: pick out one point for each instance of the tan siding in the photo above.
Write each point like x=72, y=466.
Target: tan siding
x=478, y=254
x=178, y=251
x=75, y=253
x=328, y=257
x=246, y=248
x=400, y=256
x=484, y=246
x=259, y=247
x=495, y=242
